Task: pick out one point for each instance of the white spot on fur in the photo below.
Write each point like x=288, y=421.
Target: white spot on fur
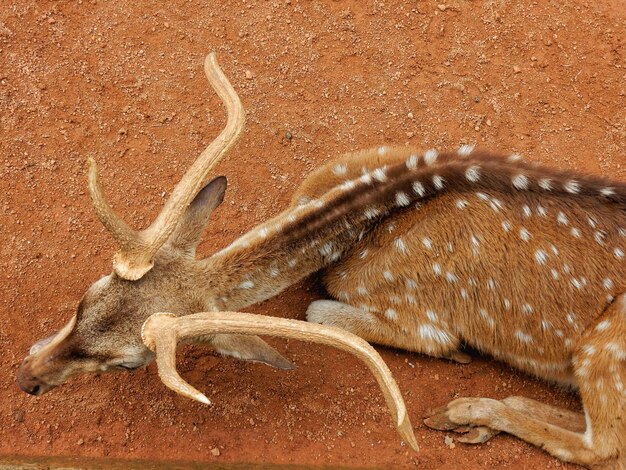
x=603, y=325
x=327, y=249
x=526, y=211
x=411, y=162
x=607, y=283
x=619, y=253
x=475, y=245
x=514, y=157
x=362, y=290
x=465, y=150
x=388, y=276
x=473, y=173
x=437, y=269
x=371, y=213
x=495, y=204
x=520, y=182
x=418, y=188
x=450, y=247
x=438, y=182
x=367, y=178
x=599, y=236
x=382, y=150
x=541, y=257
x=430, y=156
x=572, y=186
x=607, y=191
x=541, y=211
x=391, y=314
x=380, y=175
x=545, y=184
x=571, y=318
x=410, y=284
x=562, y=219
x=464, y=294
x=524, y=234
x=400, y=245
x=292, y=262
x=506, y=226
x=363, y=253
x=592, y=222
x=461, y=203
x=523, y=337
x=432, y=316
x=427, y=242
x=246, y=285
x=482, y=196
x=451, y=277
x=340, y=169
x=491, y=284
x=402, y=199
x=487, y=317
x=555, y=274
x=576, y=232
x=429, y=332
x=527, y=308
x=507, y=303
x=347, y=186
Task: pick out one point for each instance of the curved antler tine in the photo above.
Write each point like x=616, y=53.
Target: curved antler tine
x=159, y=335
x=122, y=233
x=137, y=249
x=201, y=324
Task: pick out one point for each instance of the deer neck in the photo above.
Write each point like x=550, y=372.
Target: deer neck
x=277, y=254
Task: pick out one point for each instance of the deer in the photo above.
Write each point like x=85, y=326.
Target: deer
x=428, y=252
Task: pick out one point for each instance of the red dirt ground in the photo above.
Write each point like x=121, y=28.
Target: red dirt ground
x=123, y=82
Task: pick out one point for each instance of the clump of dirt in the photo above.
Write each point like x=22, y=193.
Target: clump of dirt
x=122, y=82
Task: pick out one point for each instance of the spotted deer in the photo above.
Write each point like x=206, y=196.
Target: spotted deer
x=426, y=252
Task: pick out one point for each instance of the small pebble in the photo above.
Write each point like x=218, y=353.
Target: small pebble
x=442, y=7
x=516, y=69
x=215, y=451
x=449, y=442
x=249, y=75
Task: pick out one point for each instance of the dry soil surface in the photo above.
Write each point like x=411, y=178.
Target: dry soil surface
x=122, y=81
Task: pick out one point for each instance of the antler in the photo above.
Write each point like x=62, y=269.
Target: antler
x=161, y=332
x=137, y=248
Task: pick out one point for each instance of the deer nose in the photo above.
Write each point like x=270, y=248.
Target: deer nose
x=28, y=382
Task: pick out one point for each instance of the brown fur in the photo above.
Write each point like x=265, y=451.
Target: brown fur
x=485, y=251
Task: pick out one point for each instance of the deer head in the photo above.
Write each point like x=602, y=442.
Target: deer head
x=152, y=271
x=118, y=324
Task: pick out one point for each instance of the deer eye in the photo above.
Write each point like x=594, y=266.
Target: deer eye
x=128, y=365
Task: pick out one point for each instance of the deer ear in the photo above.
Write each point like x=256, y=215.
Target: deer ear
x=250, y=348
x=187, y=234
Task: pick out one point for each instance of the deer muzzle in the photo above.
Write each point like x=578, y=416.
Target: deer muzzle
x=28, y=382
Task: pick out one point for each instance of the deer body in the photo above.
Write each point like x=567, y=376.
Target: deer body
x=420, y=251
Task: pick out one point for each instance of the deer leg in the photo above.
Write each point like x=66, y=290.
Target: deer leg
x=561, y=417
x=373, y=329
x=553, y=414
x=599, y=369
